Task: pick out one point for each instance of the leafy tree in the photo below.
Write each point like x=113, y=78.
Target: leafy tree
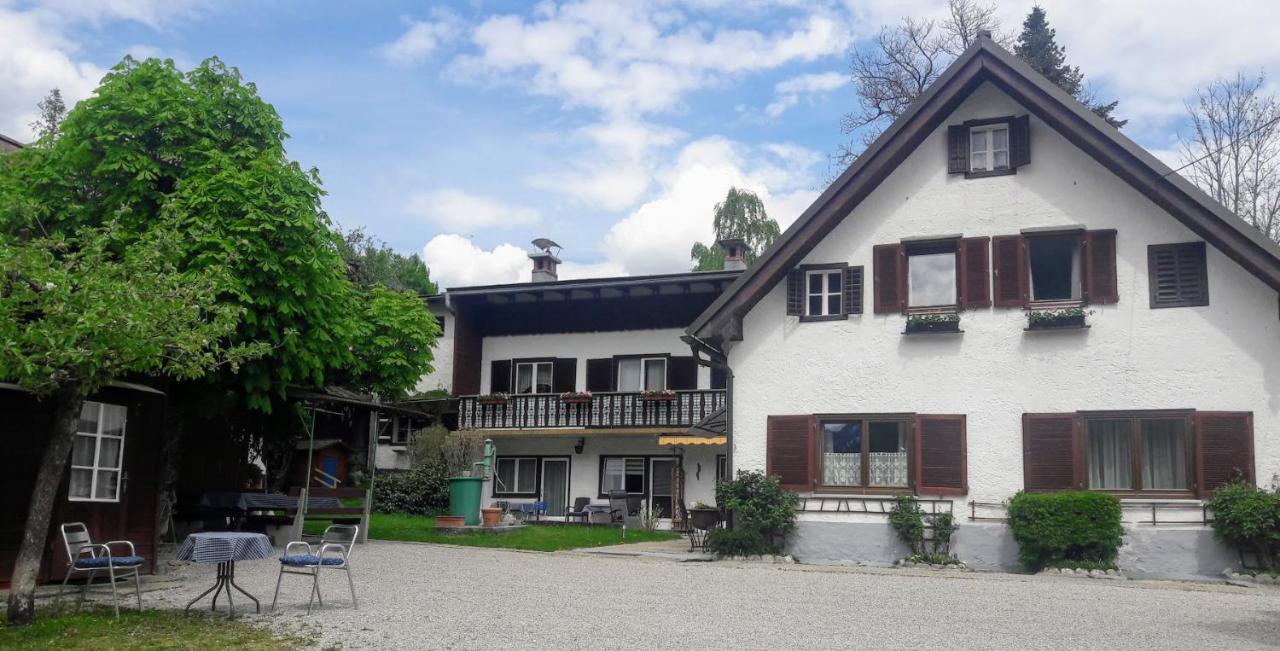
x=393, y=342
x=75, y=315
x=741, y=215
x=370, y=263
x=52, y=111
x=1038, y=46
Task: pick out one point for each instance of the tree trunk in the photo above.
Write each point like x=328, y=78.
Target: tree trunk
x=170, y=454
x=22, y=588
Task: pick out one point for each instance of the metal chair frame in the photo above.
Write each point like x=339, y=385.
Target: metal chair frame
x=75, y=536
x=338, y=539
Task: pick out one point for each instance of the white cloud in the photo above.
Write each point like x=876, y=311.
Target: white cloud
x=455, y=261
x=611, y=164
x=458, y=211
x=789, y=90
x=421, y=39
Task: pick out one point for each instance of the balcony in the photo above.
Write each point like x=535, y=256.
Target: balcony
x=603, y=410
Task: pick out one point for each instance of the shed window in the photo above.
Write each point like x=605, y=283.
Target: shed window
x=97, y=456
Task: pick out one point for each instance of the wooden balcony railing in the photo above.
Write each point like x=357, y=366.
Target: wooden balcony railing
x=544, y=410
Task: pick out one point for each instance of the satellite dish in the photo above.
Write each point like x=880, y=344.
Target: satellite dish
x=545, y=244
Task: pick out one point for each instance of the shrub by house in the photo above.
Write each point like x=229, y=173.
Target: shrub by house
x=1067, y=529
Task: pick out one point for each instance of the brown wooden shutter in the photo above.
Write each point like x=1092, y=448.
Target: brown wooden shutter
x=889, y=269
x=600, y=375
x=1020, y=141
x=1177, y=274
x=1224, y=448
x=941, y=455
x=500, y=376
x=975, y=272
x=957, y=149
x=853, y=290
x=682, y=373
x=1009, y=266
x=564, y=375
x=1100, y=267
x=789, y=451
x=795, y=293
x=1050, y=449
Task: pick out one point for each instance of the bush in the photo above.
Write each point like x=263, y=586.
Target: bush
x=763, y=515
x=908, y=520
x=1248, y=519
x=1071, y=526
x=421, y=491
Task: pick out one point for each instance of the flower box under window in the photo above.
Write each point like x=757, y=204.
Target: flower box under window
x=575, y=397
x=932, y=323
x=1062, y=319
x=492, y=399
x=658, y=396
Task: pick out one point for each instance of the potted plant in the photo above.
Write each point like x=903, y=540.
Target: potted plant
x=492, y=399
x=1070, y=317
x=933, y=322
x=491, y=517
x=450, y=522
x=704, y=517
x=575, y=397
x=657, y=396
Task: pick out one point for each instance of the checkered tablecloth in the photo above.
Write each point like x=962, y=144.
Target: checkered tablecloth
x=223, y=546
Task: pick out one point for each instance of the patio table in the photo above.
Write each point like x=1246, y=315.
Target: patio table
x=593, y=510
x=225, y=548
x=258, y=501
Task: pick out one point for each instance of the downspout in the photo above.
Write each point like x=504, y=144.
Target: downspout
x=716, y=358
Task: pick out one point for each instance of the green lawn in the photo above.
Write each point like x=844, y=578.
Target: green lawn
x=536, y=537
x=149, y=629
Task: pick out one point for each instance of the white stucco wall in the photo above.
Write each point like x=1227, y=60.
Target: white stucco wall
x=1225, y=356
x=584, y=346
x=441, y=375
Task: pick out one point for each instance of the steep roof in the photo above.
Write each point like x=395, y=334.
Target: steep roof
x=984, y=61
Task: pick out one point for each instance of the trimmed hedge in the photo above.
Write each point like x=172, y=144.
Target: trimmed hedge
x=421, y=491
x=1248, y=519
x=1057, y=528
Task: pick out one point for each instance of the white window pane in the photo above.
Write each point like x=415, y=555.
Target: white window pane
x=544, y=378
x=833, y=283
x=614, y=474
x=978, y=163
x=526, y=476
x=655, y=374
x=82, y=451
x=81, y=483
x=978, y=141
x=815, y=306
x=1002, y=160
x=1000, y=137
x=88, y=418
x=109, y=453
x=931, y=279
x=629, y=375
x=113, y=417
x=1110, y=465
x=107, y=480
x=524, y=378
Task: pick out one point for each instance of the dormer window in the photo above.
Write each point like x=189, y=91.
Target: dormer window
x=989, y=147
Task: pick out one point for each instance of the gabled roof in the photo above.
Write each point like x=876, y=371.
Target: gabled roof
x=984, y=61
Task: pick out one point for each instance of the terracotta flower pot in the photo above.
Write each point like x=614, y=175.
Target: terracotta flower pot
x=450, y=522
x=491, y=517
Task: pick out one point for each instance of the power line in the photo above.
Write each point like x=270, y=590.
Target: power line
x=1208, y=154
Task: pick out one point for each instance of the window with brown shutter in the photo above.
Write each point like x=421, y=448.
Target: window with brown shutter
x=824, y=293
x=565, y=378
x=957, y=149
x=1100, y=267
x=989, y=146
x=1020, y=141
x=682, y=373
x=853, y=290
x=941, y=455
x=1224, y=449
x=600, y=375
x=1049, y=452
x=1009, y=267
x=500, y=376
x=1178, y=275
x=795, y=293
x=889, y=271
x=789, y=451
x=975, y=272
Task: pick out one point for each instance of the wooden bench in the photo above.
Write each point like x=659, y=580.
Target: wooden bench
x=357, y=515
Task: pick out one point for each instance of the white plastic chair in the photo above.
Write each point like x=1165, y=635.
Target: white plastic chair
x=84, y=556
x=333, y=553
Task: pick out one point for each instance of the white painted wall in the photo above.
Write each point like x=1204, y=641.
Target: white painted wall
x=1222, y=357
x=584, y=346
x=441, y=375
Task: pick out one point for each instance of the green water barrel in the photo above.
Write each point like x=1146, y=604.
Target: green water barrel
x=464, y=498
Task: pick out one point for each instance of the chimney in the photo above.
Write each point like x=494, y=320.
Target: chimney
x=735, y=254
x=544, y=261
x=984, y=33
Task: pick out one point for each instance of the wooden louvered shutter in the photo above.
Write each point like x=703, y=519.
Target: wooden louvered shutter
x=600, y=375
x=719, y=377
x=682, y=373
x=1178, y=275
x=957, y=149
x=564, y=376
x=1050, y=452
x=789, y=451
x=795, y=293
x=975, y=272
x=941, y=455
x=889, y=270
x=1224, y=449
x=1009, y=267
x=1100, y=267
x=1020, y=141
x=853, y=290
x=500, y=376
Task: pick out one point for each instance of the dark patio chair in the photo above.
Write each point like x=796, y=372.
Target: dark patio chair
x=579, y=510
x=621, y=509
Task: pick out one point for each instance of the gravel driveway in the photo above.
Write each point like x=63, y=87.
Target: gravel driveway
x=431, y=596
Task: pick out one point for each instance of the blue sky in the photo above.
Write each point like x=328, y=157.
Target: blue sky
x=468, y=129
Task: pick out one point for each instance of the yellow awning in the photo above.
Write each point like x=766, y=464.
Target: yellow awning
x=692, y=440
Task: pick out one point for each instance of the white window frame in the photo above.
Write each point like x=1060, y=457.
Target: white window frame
x=644, y=473
x=989, y=154
x=533, y=377
x=644, y=372
x=825, y=291
x=514, y=489
x=96, y=468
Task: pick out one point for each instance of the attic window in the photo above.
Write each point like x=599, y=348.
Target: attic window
x=989, y=147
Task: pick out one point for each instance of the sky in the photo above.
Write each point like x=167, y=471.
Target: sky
x=462, y=131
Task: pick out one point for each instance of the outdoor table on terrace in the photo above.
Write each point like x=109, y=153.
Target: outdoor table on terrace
x=258, y=501
x=225, y=548
x=593, y=510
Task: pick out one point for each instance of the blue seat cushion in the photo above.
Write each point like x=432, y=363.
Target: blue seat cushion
x=103, y=561
x=303, y=560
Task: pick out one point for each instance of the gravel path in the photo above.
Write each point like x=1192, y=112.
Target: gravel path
x=431, y=596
